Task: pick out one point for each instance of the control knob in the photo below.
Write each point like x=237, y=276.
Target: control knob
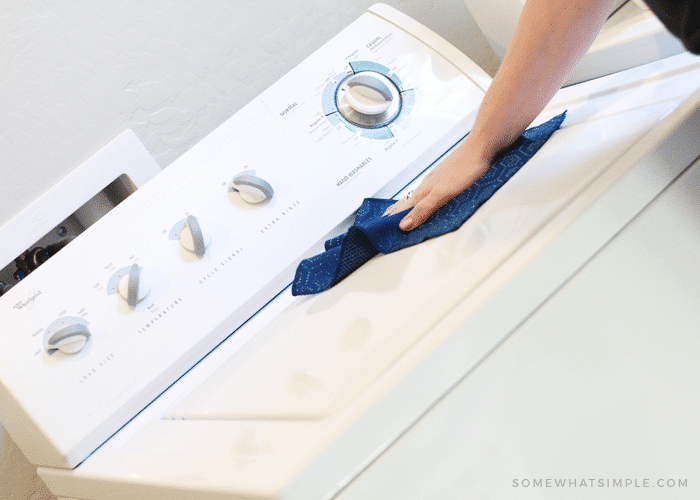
x=251, y=188
x=132, y=287
x=189, y=232
x=369, y=100
x=68, y=335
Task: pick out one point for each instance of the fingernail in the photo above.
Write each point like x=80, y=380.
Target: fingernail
x=406, y=224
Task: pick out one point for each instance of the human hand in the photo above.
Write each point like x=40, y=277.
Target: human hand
x=447, y=180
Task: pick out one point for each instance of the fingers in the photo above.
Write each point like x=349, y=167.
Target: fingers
x=429, y=196
x=421, y=212
x=424, y=200
x=412, y=197
x=408, y=201
x=452, y=176
x=398, y=206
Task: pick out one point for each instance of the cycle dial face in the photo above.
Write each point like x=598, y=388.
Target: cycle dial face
x=367, y=100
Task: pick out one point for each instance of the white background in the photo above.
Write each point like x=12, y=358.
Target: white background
x=77, y=73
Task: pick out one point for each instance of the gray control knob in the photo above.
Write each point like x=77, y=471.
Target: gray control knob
x=369, y=99
x=251, y=188
x=191, y=237
x=132, y=286
x=68, y=335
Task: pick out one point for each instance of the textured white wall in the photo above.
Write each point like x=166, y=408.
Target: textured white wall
x=75, y=73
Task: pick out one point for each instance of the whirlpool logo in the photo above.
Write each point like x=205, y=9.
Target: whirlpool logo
x=22, y=304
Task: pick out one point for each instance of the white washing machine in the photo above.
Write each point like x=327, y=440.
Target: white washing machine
x=406, y=379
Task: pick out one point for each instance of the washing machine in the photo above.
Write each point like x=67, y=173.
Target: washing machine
x=162, y=355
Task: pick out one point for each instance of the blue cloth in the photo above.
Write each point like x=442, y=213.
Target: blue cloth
x=372, y=234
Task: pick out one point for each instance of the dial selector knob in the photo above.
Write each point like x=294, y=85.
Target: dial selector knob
x=369, y=99
x=191, y=236
x=251, y=188
x=132, y=287
x=68, y=335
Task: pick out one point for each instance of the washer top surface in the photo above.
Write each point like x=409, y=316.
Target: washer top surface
x=327, y=383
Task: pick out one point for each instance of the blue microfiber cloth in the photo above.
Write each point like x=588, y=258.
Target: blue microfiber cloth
x=372, y=234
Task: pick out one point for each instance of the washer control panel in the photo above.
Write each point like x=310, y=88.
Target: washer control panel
x=116, y=317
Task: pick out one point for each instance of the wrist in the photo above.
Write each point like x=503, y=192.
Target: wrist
x=477, y=152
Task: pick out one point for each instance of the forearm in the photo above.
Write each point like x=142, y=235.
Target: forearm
x=551, y=37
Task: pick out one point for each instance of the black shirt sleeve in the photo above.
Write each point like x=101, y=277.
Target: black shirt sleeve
x=682, y=18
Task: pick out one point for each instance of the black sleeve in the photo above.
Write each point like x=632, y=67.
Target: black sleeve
x=682, y=18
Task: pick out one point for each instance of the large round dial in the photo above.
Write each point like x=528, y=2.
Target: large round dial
x=368, y=99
